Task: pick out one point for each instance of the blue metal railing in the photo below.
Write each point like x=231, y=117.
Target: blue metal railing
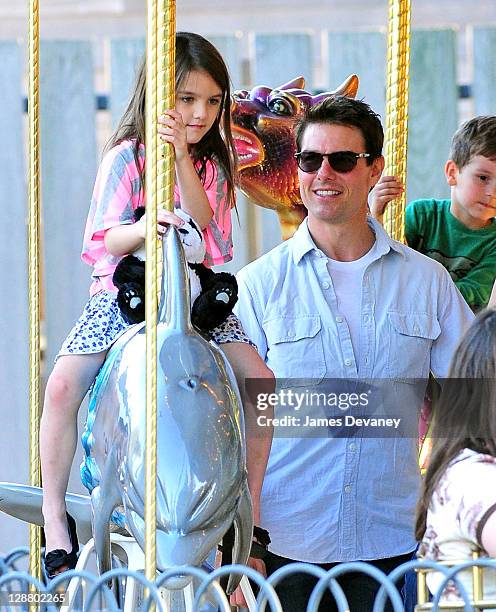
x=99, y=595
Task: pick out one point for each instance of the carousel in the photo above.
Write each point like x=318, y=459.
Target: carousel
x=164, y=442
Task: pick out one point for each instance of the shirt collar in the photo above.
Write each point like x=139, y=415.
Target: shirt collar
x=302, y=242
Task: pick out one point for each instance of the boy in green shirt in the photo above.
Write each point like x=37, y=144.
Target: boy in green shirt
x=459, y=233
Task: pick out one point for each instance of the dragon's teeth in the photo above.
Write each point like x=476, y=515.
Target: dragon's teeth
x=243, y=138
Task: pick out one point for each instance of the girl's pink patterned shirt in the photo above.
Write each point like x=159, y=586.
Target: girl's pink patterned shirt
x=117, y=194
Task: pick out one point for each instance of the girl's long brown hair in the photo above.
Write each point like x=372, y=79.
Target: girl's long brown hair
x=193, y=52
x=466, y=414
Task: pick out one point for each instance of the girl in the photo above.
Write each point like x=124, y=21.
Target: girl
x=199, y=130
x=456, y=514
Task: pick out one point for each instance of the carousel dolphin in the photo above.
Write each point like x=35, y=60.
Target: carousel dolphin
x=201, y=481
x=201, y=477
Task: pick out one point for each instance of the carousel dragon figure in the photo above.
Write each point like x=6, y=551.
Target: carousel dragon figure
x=262, y=123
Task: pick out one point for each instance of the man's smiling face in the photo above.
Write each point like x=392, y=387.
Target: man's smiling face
x=332, y=197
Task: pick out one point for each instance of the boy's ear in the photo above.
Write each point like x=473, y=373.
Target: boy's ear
x=451, y=172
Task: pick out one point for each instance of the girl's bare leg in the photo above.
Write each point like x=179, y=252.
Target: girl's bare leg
x=66, y=387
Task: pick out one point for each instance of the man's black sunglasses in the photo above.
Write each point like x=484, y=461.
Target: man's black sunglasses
x=340, y=161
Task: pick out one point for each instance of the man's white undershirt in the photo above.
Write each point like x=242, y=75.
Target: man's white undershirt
x=347, y=277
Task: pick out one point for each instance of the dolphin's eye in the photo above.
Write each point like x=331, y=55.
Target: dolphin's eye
x=280, y=106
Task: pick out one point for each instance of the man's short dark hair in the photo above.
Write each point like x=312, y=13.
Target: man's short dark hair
x=475, y=137
x=341, y=110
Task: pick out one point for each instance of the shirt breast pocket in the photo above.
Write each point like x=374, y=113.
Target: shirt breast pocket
x=410, y=338
x=295, y=349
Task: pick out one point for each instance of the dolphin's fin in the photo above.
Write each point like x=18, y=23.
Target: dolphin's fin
x=24, y=502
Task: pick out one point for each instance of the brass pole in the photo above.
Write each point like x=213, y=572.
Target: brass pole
x=422, y=591
x=395, y=147
x=160, y=95
x=151, y=294
x=34, y=273
x=477, y=579
x=166, y=60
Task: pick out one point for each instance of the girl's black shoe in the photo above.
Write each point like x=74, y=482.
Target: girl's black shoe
x=58, y=558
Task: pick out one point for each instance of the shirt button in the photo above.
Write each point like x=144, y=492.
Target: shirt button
x=347, y=362
x=325, y=285
x=365, y=318
x=290, y=334
x=339, y=319
x=347, y=489
x=352, y=447
x=416, y=329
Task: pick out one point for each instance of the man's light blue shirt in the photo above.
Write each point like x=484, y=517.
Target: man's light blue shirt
x=343, y=499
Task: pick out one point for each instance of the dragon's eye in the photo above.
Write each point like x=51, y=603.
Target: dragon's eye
x=280, y=106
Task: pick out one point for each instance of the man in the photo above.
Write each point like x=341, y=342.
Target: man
x=341, y=300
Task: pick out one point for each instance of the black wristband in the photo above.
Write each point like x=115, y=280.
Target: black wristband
x=261, y=541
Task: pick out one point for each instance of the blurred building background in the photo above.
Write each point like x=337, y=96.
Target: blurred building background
x=88, y=57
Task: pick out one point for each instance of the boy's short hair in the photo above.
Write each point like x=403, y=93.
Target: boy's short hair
x=341, y=110
x=475, y=137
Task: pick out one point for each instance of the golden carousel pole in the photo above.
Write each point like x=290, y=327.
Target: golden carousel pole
x=34, y=274
x=395, y=147
x=159, y=183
